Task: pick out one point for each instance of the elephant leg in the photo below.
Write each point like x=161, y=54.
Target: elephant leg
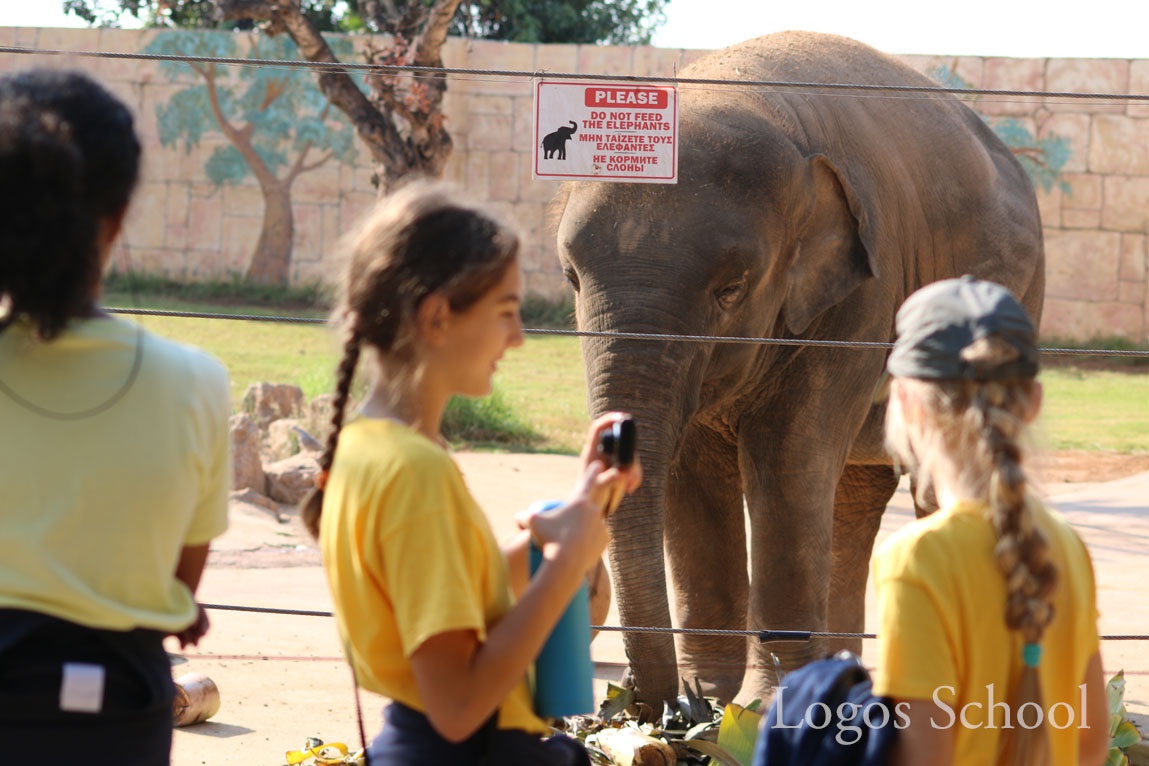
x=861, y=498
x=791, y=528
x=706, y=550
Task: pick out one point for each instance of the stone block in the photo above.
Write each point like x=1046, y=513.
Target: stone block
x=1086, y=76
x=1075, y=129
x=1084, y=320
x=503, y=176
x=532, y=190
x=529, y=216
x=204, y=222
x=321, y=272
x=160, y=262
x=486, y=132
x=1138, y=83
x=1133, y=254
x=147, y=216
x=1119, y=144
x=355, y=178
x=1131, y=292
x=478, y=171
x=331, y=231
x=493, y=54
x=237, y=243
x=556, y=58
x=482, y=104
x=177, y=203
x=308, y=235
x=971, y=69
x=1084, y=191
x=545, y=284
x=1049, y=206
x=455, y=171
x=605, y=59
x=245, y=201
x=119, y=41
x=353, y=206
x=26, y=37
x=64, y=39
x=1082, y=265
x=1080, y=219
x=1126, y=204
x=1012, y=74
x=320, y=185
x=523, y=132
x=657, y=62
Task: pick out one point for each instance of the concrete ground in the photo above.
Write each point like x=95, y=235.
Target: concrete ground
x=282, y=678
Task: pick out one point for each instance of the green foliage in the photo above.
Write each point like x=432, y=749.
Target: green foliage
x=326, y=15
x=618, y=22
x=132, y=290
x=1122, y=732
x=489, y=420
x=543, y=313
x=284, y=109
x=1042, y=157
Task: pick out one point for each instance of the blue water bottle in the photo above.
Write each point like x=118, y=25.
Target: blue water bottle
x=563, y=670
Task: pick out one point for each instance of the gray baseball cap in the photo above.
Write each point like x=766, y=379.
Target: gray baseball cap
x=940, y=320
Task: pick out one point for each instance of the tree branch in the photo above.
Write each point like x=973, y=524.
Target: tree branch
x=240, y=138
x=430, y=43
x=317, y=163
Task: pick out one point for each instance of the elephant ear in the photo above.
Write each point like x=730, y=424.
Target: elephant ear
x=834, y=252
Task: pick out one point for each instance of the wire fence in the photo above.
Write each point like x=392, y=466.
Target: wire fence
x=764, y=636
x=325, y=67
x=664, y=337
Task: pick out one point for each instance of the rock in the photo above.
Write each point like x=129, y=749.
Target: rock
x=282, y=440
x=256, y=503
x=246, y=465
x=289, y=480
x=268, y=402
x=318, y=421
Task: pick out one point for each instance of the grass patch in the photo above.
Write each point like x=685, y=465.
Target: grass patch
x=488, y=421
x=1111, y=343
x=1097, y=410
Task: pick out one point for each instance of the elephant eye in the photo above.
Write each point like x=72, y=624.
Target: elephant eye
x=728, y=295
x=571, y=277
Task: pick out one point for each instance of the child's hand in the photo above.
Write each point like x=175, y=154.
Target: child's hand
x=615, y=483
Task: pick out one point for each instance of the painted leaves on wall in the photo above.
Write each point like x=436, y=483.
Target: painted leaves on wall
x=277, y=123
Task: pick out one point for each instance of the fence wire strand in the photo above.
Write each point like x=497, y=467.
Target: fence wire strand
x=325, y=67
x=666, y=337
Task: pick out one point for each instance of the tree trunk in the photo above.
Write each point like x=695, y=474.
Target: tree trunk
x=271, y=261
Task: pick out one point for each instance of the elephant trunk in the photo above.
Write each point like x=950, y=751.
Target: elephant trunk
x=632, y=376
x=574, y=127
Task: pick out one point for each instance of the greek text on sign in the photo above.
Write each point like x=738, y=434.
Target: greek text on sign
x=607, y=132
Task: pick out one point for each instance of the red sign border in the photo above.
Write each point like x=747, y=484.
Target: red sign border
x=636, y=179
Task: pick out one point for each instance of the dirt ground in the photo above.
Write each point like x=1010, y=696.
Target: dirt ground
x=282, y=678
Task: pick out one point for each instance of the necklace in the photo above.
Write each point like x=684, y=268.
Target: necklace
x=137, y=361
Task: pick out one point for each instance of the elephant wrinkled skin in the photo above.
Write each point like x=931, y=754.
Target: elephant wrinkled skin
x=799, y=213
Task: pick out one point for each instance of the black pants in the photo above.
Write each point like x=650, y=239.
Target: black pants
x=135, y=723
x=408, y=739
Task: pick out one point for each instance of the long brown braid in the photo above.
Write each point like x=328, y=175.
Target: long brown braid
x=422, y=239
x=974, y=433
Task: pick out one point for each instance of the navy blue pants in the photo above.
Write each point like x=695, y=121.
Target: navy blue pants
x=408, y=739
x=135, y=722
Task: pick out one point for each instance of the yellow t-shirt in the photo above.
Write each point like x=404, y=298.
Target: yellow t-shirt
x=408, y=556
x=95, y=508
x=941, y=606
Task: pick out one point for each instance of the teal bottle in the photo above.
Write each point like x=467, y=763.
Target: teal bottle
x=563, y=670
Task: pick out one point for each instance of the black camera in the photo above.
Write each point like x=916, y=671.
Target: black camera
x=616, y=444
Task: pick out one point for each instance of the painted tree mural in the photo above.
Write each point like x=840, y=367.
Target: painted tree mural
x=1042, y=157
x=277, y=123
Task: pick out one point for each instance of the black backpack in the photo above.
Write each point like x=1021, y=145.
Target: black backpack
x=825, y=714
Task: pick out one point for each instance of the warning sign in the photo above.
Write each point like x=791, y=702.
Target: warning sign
x=606, y=131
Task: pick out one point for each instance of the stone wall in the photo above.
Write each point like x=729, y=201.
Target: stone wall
x=185, y=225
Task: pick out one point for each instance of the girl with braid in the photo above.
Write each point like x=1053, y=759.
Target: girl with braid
x=114, y=465
x=987, y=639
x=431, y=612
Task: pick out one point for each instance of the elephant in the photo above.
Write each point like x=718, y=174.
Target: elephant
x=557, y=141
x=799, y=213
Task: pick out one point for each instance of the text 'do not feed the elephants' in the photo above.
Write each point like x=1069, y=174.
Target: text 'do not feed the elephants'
x=586, y=130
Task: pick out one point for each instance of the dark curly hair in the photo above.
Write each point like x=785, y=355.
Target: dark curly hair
x=69, y=158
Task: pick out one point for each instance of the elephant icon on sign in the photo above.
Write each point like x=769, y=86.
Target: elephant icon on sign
x=557, y=142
